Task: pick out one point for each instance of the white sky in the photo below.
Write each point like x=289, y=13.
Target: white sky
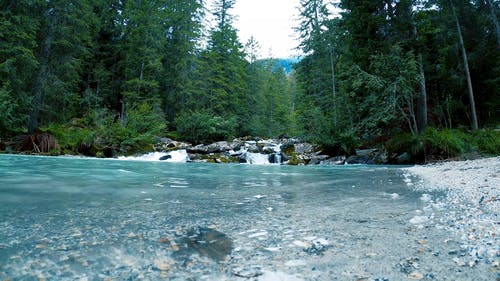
x=271, y=23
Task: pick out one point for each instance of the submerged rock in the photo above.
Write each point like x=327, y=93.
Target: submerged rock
x=206, y=242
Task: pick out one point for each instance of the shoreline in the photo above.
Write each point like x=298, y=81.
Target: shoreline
x=476, y=181
x=470, y=209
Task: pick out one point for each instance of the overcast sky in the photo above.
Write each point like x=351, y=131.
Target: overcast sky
x=271, y=23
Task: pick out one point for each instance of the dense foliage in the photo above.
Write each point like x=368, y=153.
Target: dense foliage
x=113, y=74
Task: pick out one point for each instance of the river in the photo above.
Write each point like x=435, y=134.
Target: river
x=68, y=218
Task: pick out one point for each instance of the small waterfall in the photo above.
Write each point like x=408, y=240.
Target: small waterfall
x=179, y=156
x=271, y=153
x=275, y=158
x=257, y=158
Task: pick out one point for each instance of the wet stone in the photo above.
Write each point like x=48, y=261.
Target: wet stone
x=251, y=272
x=408, y=265
x=317, y=247
x=205, y=242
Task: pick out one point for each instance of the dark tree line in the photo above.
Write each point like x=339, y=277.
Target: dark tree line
x=148, y=66
x=390, y=66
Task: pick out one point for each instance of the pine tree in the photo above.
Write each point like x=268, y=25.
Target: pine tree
x=18, y=30
x=182, y=26
x=63, y=44
x=225, y=67
x=143, y=41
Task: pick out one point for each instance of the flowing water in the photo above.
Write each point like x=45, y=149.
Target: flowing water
x=94, y=219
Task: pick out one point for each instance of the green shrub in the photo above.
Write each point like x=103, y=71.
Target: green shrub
x=99, y=130
x=72, y=138
x=202, y=126
x=445, y=143
x=407, y=143
x=487, y=141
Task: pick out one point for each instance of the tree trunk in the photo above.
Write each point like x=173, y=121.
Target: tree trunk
x=421, y=110
x=422, y=99
x=495, y=21
x=123, y=117
x=41, y=78
x=475, y=125
x=334, y=93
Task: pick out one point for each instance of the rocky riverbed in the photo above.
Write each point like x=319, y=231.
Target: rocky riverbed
x=91, y=219
x=470, y=210
x=286, y=151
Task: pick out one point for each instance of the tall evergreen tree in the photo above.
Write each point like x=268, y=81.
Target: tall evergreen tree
x=63, y=39
x=224, y=67
x=182, y=27
x=142, y=54
x=18, y=29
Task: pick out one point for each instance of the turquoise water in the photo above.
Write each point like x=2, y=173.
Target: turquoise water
x=93, y=219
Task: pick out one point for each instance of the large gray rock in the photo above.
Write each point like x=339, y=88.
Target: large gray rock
x=360, y=159
x=337, y=160
x=166, y=144
x=369, y=157
x=404, y=158
x=216, y=147
x=198, y=149
x=301, y=148
x=317, y=159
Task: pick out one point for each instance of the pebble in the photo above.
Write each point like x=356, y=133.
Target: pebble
x=163, y=264
x=251, y=272
x=164, y=240
x=258, y=234
x=419, y=220
x=416, y=275
x=294, y=263
x=302, y=244
x=459, y=262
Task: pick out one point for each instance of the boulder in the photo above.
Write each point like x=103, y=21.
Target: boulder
x=198, y=149
x=369, y=157
x=302, y=148
x=317, y=159
x=337, y=160
x=360, y=159
x=404, y=158
x=216, y=147
x=166, y=144
x=166, y=157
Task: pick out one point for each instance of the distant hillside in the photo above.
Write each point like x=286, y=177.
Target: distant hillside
x=286, y=64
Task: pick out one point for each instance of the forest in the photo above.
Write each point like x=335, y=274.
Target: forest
x=118, y=74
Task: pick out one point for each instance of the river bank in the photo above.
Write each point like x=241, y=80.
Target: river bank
x=470, y=209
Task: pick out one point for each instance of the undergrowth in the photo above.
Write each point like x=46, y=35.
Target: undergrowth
x=436, y=144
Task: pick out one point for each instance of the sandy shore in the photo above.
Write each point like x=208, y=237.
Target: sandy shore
x=471, y=205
